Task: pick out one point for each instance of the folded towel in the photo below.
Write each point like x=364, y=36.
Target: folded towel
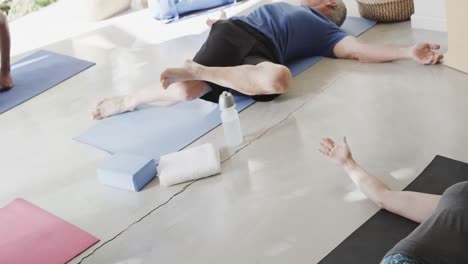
x=189, y=164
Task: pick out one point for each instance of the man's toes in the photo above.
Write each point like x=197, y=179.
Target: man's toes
x=100, y=116
x=165, y=83
x=99, y=104
x=95, y=114
x=98, y=113
x=164, y=75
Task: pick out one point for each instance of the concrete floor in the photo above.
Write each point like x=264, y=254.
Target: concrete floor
x=277, y=200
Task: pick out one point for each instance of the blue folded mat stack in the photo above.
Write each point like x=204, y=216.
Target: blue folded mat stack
x=169, y=10
x=156, y=131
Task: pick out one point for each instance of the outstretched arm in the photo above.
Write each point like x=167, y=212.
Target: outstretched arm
x=352, y=48
x=412, y=205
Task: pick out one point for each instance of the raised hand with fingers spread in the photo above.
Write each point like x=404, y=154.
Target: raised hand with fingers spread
x=415, y=206
x=339, y=153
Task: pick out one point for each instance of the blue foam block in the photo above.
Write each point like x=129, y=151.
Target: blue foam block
x=156, y=131
x=129, y=172
x=38, y=73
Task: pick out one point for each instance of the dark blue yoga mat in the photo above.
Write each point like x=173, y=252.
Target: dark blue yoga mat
x=38, y=73
x=156, y=131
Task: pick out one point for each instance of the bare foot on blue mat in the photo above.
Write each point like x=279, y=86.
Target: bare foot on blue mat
x=112, y=106
x=6, y=83
x=190, y=72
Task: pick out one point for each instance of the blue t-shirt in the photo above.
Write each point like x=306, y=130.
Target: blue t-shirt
x=296, y=31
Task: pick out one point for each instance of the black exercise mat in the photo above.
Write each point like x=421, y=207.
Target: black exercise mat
x=371, y=241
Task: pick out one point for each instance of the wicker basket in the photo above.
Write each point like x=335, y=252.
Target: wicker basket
x=386, y=10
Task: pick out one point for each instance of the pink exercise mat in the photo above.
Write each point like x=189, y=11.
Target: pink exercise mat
x=28, y=234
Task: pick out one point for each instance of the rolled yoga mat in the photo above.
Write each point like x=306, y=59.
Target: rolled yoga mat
x=156, y=131
x=370, y=242
x=38, y=73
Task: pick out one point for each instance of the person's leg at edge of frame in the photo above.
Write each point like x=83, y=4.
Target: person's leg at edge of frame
x=6, y=81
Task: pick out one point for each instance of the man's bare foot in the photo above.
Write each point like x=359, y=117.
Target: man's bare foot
x=6, y=83
x=210, y=22
x=112, y=106
x=190, y=72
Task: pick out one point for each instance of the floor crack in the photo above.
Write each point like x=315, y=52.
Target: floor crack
x=136, y=222
x=192, y=182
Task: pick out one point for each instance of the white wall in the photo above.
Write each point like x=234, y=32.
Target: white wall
x=430, y=14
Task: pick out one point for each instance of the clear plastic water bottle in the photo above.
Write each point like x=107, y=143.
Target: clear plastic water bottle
x=164, y=10
x=230, y=119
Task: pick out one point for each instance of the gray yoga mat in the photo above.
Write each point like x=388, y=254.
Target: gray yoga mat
x=370, y=242
x=38, y=73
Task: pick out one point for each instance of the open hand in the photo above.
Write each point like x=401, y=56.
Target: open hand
x=424, y=53
x=339, y=153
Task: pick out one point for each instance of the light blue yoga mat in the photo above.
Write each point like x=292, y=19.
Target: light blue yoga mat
x=156, y=131
x=38, y=73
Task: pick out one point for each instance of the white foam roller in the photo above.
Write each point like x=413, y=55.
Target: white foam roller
x=189, y=164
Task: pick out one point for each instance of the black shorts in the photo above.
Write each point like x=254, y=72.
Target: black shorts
x=234, y=43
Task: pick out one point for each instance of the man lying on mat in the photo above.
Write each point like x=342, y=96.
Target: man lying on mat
x=5, y=77
x=248, y=54
x=442, y=236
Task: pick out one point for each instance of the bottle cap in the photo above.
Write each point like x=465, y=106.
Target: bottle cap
x=226, y=100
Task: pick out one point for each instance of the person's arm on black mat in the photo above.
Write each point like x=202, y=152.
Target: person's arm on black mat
x=412, y=205
x=352, y=48
x=5, y=77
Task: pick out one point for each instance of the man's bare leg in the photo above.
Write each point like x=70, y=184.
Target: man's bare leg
x=6, y=82
x=261, y=79
x=187, y=83
x=179, y=92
